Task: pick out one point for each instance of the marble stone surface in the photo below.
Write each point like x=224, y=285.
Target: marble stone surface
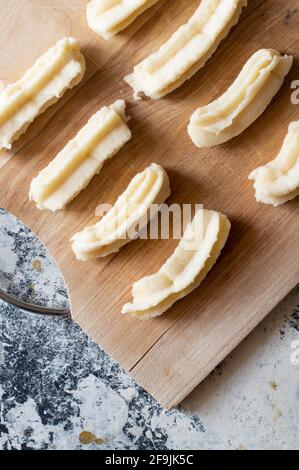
x=59, y=390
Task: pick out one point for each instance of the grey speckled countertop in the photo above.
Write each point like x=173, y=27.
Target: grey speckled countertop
x=60, y=391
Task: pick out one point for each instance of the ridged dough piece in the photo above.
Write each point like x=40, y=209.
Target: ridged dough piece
x=184, y=271
x=82, y=158
x=188, y=49
x=277, y=182
x=60, y=68
x=244, y=101
x=130, y=214
x=109, y=17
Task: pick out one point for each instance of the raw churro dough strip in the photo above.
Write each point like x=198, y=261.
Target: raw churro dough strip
x=109, y=17
x=184, y=271
x=130, y=214
x=244, y=101
x=81, y=159
x=277, y=182
x=187, y=50
x=60, y=68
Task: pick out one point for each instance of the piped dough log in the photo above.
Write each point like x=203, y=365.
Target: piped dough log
x=109, y=17
x=81, y=159
x=184, y=271
x=277, y=182
x=244, y=101
x=130, y=214
x=187, y=50
x=60, y=68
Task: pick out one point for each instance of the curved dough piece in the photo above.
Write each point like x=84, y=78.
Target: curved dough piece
x=184, y=271
x=131, y=213
x=278, y=181
x=244, y=101
x=109, y=17
x=188, y=49
x=81, y=159
x=60, y=68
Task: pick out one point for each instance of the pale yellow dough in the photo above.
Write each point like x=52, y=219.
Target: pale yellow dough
x=109, y=17
x=130, y=214
x=188, y=49
x=244, y=101
x=278, y=181
x=184, y=271
x=81, y=159
x=60, y=68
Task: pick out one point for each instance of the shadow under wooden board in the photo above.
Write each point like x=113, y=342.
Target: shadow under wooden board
x=170, y=355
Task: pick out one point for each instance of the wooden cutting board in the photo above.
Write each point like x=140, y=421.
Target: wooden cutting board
x=170, y=355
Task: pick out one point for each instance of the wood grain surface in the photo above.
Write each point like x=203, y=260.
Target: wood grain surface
x=170, y=355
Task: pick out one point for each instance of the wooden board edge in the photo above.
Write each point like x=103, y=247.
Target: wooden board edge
x=174, y=401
